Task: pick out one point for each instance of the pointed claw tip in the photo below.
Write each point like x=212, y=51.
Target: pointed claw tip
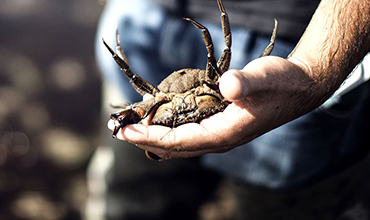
x=102, y=39
x=117, y=37
x=190, y=20
x=115, y=131
x=221, y=6
x=195, y=23
x=106, y=45
x=152, y=156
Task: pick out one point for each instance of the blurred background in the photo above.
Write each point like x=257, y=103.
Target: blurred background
x=49, y=106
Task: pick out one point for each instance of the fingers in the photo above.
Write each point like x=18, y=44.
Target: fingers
x=188, y=140
x=165, y=137
x=185, y=141
x=165, y=142
x=163, y=154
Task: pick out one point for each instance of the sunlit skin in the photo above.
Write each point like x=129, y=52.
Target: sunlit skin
x=270, y=91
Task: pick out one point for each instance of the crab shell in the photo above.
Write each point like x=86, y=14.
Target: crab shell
x=190, y=98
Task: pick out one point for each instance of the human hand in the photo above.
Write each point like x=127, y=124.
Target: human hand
x=265, y=94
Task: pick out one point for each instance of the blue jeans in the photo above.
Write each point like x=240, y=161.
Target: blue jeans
x=299, y=153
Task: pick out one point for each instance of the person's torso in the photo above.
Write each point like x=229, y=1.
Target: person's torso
x=257, y=15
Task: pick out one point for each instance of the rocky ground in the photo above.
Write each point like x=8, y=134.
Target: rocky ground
x=49, y=106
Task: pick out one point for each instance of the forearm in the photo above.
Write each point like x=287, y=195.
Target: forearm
x=337, y=38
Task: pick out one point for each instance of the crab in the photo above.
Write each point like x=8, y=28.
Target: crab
x=185, y=96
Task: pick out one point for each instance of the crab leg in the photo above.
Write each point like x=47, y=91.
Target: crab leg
x=211, y=60
x=119, y=50
x=224, y=61
x=140, y=85
x=267, y=51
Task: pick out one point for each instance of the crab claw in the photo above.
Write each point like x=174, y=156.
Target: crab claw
x=118, y=125
x=125, y=117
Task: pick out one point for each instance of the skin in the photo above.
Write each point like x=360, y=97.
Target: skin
x=270, y=91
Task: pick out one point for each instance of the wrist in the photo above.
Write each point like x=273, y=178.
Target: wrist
x=321, y=87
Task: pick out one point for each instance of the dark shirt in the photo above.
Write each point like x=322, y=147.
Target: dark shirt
x=257, y=15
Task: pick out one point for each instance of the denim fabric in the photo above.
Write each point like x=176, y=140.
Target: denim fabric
x=296, y=153
x=305, y=150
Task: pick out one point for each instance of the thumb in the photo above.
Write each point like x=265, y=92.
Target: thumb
x=257, y=75
x=234, y=85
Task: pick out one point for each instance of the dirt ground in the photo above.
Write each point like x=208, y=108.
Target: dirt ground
x=50, y=109
x=49, y=106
